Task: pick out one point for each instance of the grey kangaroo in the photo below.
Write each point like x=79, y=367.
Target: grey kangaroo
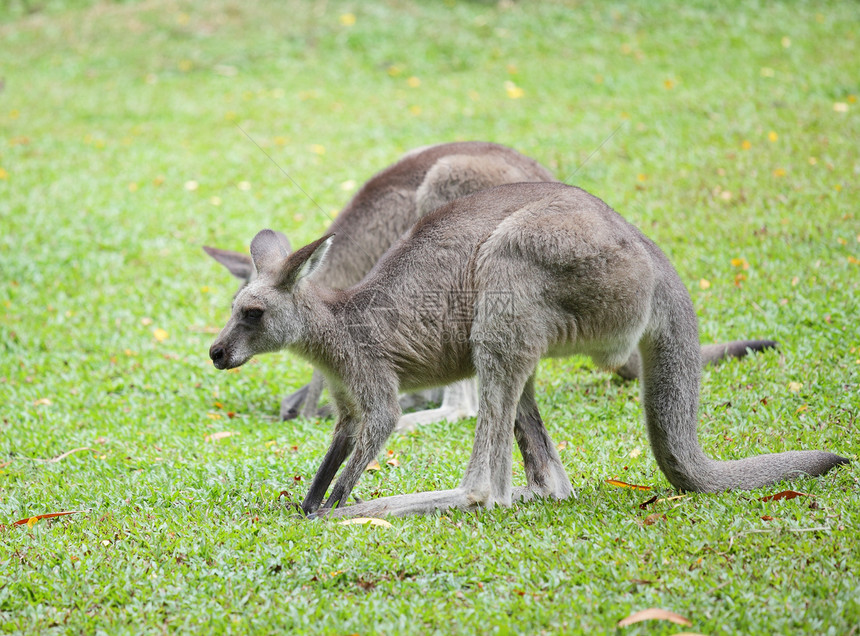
x=517, y=273
x=386, y=207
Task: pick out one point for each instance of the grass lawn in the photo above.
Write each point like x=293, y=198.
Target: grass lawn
x=133, y=133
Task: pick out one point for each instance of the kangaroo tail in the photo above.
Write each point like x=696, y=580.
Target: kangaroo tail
x=711, y=354
x=734, y=349
x=671, y=368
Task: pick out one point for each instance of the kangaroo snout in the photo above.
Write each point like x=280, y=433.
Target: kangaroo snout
x=218, y=355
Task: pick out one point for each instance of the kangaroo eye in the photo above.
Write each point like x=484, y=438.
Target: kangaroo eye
x=253, y=314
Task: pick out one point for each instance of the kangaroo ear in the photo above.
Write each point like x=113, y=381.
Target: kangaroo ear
x=303, y=262
x=240, y=265
x=268, y=250
x=284, y=241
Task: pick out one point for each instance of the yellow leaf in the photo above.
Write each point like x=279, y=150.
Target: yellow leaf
x=802, y=408
x=42, y=402
x=779, y=172
x=676, y=497
x=772, y=136
x=794, y=387
x=740, y=262
x=3, y=174
x=393, y=462
x=32, y=521
x=704, y=283
x=746, y=144
x=361, y=521
x=513, y=91
x=840, y=107
x=374, y=465
x=623, y=484
x=191, y=185
x=669, y=84
x=561, y=445
x=347, y=19
x=318, y=149
x=635, y=452
x=160, y=334
x=414, y=82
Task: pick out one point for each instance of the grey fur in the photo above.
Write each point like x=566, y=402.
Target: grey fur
x=580, y=280
x=386, y=207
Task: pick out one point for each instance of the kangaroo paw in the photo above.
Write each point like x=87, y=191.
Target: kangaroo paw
x=292, y=404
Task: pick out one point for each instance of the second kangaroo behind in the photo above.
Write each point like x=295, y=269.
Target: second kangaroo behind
x=519, y=272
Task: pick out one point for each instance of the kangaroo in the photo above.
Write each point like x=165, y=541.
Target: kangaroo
x=486, y=286
x=386, y=207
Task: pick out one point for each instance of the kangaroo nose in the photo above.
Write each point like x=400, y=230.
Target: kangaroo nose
x=218, y=355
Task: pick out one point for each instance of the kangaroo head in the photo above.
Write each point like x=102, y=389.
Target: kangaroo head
x=241, y=265
x=266, y=313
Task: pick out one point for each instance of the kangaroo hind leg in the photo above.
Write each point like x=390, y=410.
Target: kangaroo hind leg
x=545, y=474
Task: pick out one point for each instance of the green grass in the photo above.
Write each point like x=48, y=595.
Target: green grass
x=109, y=110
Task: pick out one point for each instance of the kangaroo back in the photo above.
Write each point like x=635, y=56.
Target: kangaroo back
x=393, y=200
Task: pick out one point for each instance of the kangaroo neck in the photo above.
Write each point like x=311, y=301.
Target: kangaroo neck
x=322, y=342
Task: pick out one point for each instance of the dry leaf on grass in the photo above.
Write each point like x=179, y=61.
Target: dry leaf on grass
x=654, y=614
x=644, y=505
x=362, y=521
x=61, y=457
x=374, y=465
x=623, y=484
x=785, y=494
x=654, y=500
x=653, y=518
x=31, y=521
